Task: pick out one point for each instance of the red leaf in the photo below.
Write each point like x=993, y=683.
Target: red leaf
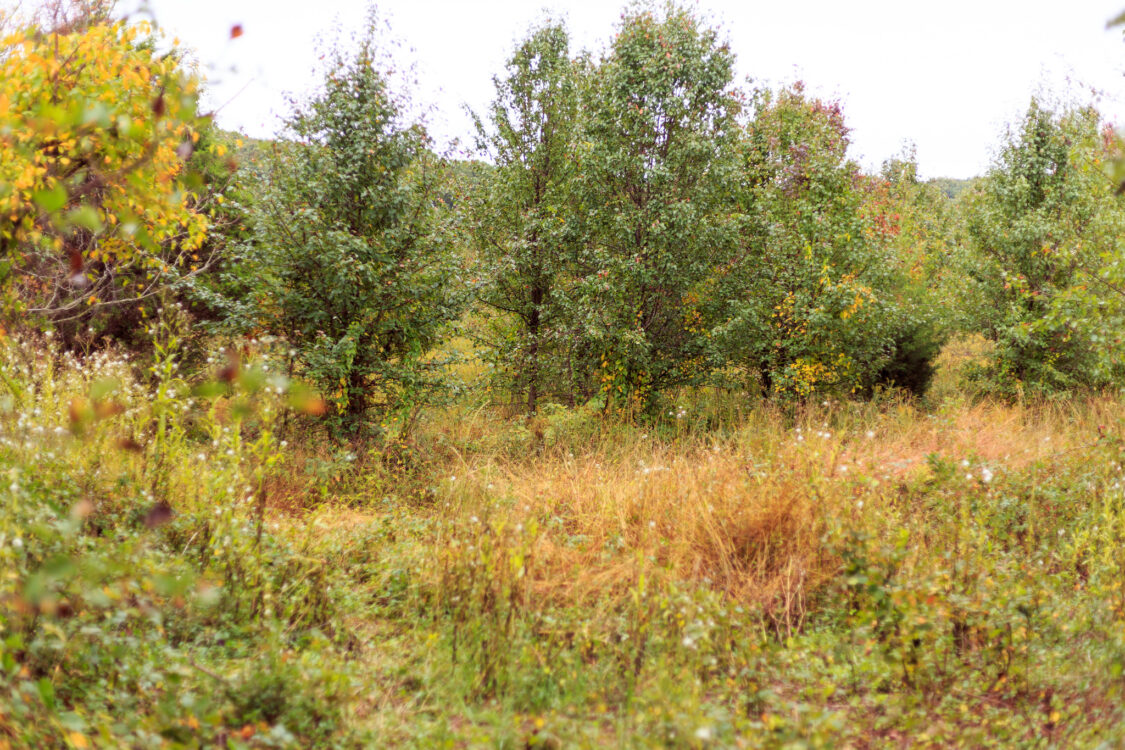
x=76, y=263
x=158, y=515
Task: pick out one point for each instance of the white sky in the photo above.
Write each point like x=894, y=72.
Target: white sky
x=944, y=75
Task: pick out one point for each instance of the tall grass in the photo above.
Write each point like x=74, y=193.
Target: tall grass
x=184, y=564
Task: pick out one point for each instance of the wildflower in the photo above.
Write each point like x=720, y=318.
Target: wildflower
x=704, y=733
x=986, y=475
x=870, y=434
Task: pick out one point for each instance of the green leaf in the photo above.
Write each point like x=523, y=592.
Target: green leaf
x=51, y=200
x=104, y=388
x=97, y=113
x=46, y=692
x=210, y=389
x=85, y=217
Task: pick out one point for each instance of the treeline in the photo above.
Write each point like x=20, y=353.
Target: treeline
x=637, y=223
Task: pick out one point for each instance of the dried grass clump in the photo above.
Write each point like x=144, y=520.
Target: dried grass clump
x=747, y=514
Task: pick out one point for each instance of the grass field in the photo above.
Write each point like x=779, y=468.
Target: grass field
x=186, y=569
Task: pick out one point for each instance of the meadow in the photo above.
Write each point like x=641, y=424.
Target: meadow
x=656, y=422
x=735, y=574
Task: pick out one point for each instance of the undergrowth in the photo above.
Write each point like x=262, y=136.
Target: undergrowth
x=186, y=563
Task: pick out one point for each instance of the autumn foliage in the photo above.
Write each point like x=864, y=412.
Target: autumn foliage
x=95, y=126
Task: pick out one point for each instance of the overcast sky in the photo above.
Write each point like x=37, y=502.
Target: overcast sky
x=946, y=76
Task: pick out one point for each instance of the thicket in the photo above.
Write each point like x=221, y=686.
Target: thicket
x=1044, y=240
x=705, y=235
x=99, y=214
x=641, y=225
x=699, y=234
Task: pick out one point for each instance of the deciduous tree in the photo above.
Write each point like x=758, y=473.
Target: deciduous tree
x=346, y=259
x=95, y=126
x=655, y=165
x=521, y=218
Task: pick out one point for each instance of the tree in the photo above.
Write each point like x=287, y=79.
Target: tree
x=653, y=171
x=920, y=225
x=95, y=127
x=521, y=220
x=346, y=259
x=805, y=303
x=1045, y=252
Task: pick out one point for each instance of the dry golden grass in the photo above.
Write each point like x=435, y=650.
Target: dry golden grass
x=746, y=512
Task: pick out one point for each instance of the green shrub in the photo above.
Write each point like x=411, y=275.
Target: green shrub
x=347, y=260
x=1044, y=238
x=809, y=303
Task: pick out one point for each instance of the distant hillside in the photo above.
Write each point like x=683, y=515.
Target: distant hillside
x=950, y=186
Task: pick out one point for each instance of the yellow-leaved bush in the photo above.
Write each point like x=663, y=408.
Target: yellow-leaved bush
x=95, y=127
